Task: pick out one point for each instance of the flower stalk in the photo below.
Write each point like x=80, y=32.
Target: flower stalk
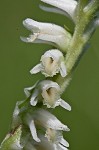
x=34, y=125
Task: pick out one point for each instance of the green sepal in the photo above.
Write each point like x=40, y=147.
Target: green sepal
x=12, y=140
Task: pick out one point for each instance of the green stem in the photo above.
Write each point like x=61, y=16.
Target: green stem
x=64, y=82
x=78, y=41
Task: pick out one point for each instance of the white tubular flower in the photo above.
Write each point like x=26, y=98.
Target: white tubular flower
x=46, y=120
x=68, y=6
x=52, y=62
x=56, y=139
x=47, y=33
x=48, y=92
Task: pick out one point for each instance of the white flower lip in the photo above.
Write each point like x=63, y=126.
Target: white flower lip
x=46, y=32
x=56, y=138
x=52, y=62
x=68, y=6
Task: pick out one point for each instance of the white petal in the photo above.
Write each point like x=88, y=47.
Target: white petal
x=27, y=91
x=54, y=53
x=65, y=105
x=33, y=131
x=25, y=39
x=53, y=9
x=49, y=121
x=31, y=25
x=34, y=40
x=36, y=69
x=64, y=142
x=46, y=84
x=57, y=103
x=33, y=99
x=30, y=39
x=63, y=71
x=66, y=5
x=48, y=28
x=61, y=147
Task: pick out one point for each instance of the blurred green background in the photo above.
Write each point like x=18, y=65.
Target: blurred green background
x=17, y=58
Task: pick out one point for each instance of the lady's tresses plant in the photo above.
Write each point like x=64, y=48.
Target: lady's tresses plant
x=34, y=127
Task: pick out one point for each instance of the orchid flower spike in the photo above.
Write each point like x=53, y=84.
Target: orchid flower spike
x=57, y=140
x=52, y=62
x=46, y=120
x=47, y=33
x=48, y=92
x=67, y=6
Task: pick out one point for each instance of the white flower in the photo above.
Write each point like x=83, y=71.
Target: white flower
x=48, y=92
x=68, y=6
x=47, y=33
x=46, y=120
x=52, y=62
x=56, y=139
